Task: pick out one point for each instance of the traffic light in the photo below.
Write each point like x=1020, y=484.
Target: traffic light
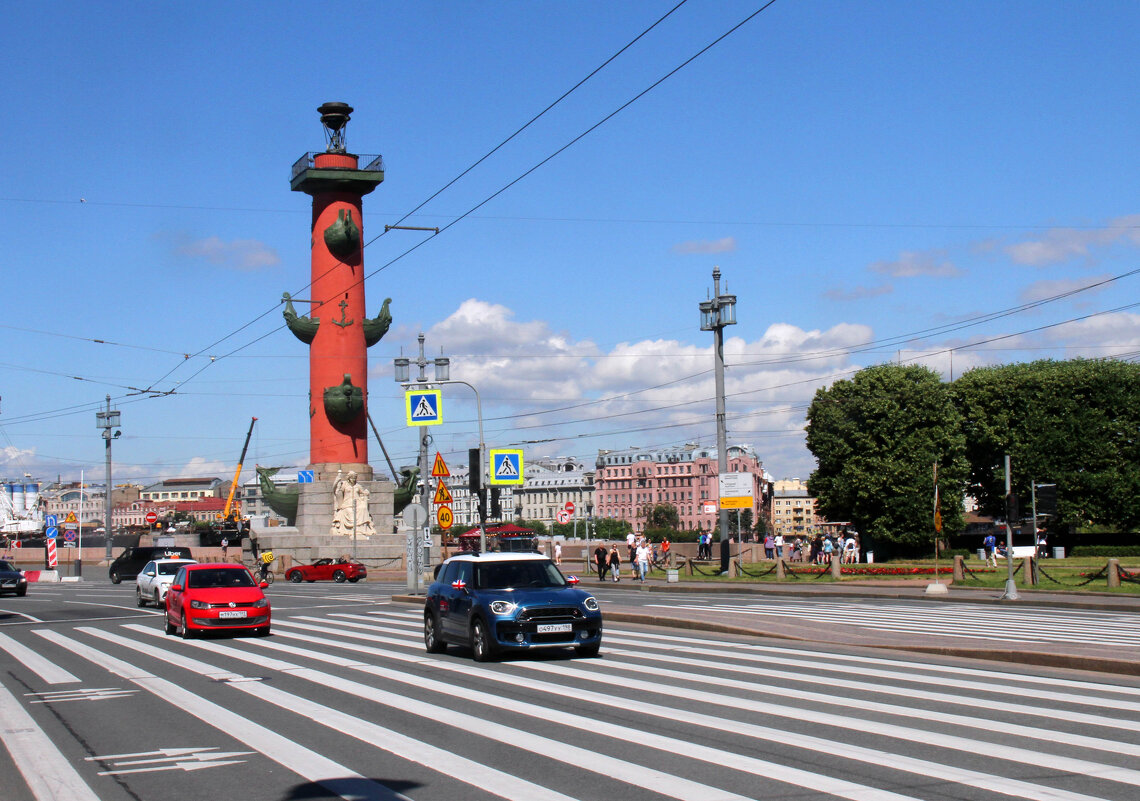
x=496, y=507
x=473, y=475
x=1012, y=513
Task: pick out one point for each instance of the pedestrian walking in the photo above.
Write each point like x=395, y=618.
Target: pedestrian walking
x=225, y=546
x=779, y=546
x=558, y=553
x=601, y=559
x=769, y=547
x=989, y=544
x=666, y=554
x=615, y=563
x=642, y=561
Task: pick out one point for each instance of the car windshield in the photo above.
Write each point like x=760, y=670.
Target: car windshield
x=220, y=577
x=168, y=569
x=514, y=575
x=6, y=566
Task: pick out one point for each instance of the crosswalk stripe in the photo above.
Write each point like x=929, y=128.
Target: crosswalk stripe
x=45, y=669
x=465, y=770
x=669, y=785
x=46, y=771
x=871, y=756
x=310, y=765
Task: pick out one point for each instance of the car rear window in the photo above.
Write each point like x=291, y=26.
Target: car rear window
x=513, y=575
x=220, y=577
x=168, y=569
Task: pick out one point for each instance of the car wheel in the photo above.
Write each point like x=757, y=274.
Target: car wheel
x=115, y=577
x=169, y=626
x=183, y=629
x=481, y=645
x=339, y=577
x=20, y=593
x=138, y=597
x=354, y=580
x=432, y=642
x=157, y=600
x=262, y=632
x=589, y=650
x=296, y=577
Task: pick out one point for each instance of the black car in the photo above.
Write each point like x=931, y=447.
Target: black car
x=130, y=562
x=499, y=602
x=12, y=580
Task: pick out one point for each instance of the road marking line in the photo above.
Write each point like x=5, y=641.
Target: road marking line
x=46, y=771
x=37, y=663
x=308, y=764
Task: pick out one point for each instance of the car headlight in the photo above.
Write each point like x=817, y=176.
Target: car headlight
x=199, y=605
x=591, y=604
x=503, y=607
x=261, y=603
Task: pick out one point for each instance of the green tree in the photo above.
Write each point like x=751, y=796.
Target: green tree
x=607, y=528
x=876, y=438
x=1072, y=423
x=662, y=516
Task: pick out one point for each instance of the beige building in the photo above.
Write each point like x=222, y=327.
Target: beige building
x=793, y=509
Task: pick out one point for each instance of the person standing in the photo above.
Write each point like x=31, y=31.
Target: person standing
x=779, y=546
x=225, y=547
x=769, y=547
x=601, y=558
x=558, y=553
x=666, y=554
x=615, y=563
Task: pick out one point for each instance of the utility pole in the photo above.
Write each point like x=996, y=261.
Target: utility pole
x=716, y=313
x=106, y=420
x=1010, y=511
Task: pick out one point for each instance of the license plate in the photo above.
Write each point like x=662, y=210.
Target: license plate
x=232, y=613
x=554, y=628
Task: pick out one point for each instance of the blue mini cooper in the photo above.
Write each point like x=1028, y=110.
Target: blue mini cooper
x=499, y=602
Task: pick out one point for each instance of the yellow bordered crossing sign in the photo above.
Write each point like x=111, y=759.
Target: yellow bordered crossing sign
x=423, y=407
x=506, y=466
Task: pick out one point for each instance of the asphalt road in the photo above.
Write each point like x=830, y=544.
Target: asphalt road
x=342, y=701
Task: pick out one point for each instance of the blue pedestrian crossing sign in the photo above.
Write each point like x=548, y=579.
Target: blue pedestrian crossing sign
x=506, y=466
x=423, y=407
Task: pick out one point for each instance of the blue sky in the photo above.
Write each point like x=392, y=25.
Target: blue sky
x=871, y=179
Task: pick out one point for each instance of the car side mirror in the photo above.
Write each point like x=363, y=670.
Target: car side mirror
x=176, y=588
x=264, y=585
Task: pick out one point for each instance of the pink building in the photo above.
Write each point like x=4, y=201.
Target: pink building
x=630, y=482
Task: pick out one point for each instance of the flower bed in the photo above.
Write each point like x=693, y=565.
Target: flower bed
x=879, y=571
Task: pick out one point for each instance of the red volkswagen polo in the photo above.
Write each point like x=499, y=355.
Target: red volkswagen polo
x=209, y=597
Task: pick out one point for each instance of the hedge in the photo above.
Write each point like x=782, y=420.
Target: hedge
x=1105, y=550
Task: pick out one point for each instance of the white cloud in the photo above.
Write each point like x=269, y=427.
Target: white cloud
x=1062, y=244
x=843, y=294
x=912, y=263
x=706, y=246
x=237, y=254
x=12, y=455
x=1040, y=290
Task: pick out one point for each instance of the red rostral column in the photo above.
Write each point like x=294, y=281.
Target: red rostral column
x=337, y=330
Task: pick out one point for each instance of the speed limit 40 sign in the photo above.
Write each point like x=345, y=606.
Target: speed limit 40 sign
x=444, y=517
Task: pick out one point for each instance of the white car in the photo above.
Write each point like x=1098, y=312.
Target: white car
x=155, y=579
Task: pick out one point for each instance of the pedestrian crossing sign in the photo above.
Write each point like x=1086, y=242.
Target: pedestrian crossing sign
x=423, y=407
x=506, y=466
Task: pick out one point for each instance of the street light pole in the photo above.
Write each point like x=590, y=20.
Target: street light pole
x=105, y=420
x=716, y=313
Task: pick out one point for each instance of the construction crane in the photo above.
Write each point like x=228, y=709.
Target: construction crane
x=231, y=514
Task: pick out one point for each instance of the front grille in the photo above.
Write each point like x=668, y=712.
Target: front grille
x=229, y=623
x=226, y=605
x=549, y=614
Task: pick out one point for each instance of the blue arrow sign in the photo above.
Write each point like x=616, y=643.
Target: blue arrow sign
x=304, y=476
x=51, y=520
x=51, y=533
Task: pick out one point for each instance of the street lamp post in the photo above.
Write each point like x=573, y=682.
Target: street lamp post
x=716, y=313
x=105, y=420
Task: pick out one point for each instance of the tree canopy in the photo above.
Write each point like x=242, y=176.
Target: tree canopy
x=1072, y=423
x=876, y=438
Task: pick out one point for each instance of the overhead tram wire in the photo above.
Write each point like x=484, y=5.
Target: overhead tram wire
x=436, y=194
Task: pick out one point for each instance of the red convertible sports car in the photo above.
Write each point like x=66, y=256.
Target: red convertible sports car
x=327, y=569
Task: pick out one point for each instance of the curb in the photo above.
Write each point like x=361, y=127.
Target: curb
x=1039, y=658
